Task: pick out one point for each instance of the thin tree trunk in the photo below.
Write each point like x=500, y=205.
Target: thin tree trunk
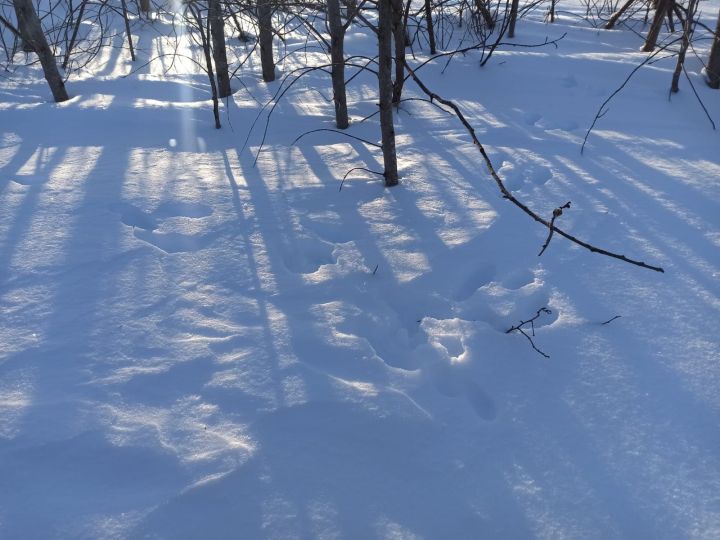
x=619, y=13
x=429, y=23
x=387, y=128
x=713, y=65
x=217, y=31
x=485, y=12
x=337, y=55
x=127, y=29
x=398, y=31
x=687, y=32
x=71, y=45
x=32, y=34
x=513, y=18
x=266, y=40
x=661, y=10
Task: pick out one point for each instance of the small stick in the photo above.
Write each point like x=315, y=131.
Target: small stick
x=611, y=320
x=556, y=214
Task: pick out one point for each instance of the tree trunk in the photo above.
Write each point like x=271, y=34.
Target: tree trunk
x=661, y=9
x=398, y=31
x=337, y=55
x=485, y=12
x=513, y=18
x=616, y=16
x=26, y=47
x=713, y=65
x=429, y=23
x=385, y=36
x=76, y=27
x=32, y=34
x=145, y=7
x=127, y=29
x=266, y=40
x=687, y=31
x=217, y=31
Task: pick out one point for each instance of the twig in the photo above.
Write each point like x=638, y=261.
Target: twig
x=519, y=328
x=357, y=169
x=556, y=214
x=335, y=131
x=611, y=320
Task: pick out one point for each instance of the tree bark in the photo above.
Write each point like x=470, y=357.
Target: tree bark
x=661, y=9
x=217, y=31
x=387, y=128
x=513, y=18
x=713, y=66
x=616, y=16
x=687, y=31
x=145, y=7
x=430, y=28
x=266, y=40
x=76, y=28
x=337, y=55
x=32, y=34
x=127, y=29
x=398, y=32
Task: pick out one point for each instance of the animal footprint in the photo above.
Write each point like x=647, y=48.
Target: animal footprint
x=478, y=278
x=482, y=404
x=150, y=227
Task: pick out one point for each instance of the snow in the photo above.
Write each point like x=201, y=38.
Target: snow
x=194, y=344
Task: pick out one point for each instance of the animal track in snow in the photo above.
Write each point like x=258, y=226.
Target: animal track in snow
x=569, y=81
x=482, y=404
x=29, y=179
x=474, y=281
x=148, y=226
x=516, y=175
x=531, y=119
x=306, y=255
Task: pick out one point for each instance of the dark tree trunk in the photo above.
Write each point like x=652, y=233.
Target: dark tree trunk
x=217, y=31
x=616, y=16
x=513, y=17
x=266, y=40
x=429, y=23
x=26, y=47
x=205, y=42
x=398, y=32
x=32, y=34
x=687, y=31
x=145, y=7
x=485, y=12
x=713, y=65
x=127, y=29
x=385, y=36
x=661, y=9
x=337, y=55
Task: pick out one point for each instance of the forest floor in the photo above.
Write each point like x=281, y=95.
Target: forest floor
x=203, y=336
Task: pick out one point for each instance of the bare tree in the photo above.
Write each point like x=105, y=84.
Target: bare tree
x=31, y=32
x=687, y=33
x=387, y=128
x=662, y=8
x=217, y=31
x=337, y=56
x=264, y=13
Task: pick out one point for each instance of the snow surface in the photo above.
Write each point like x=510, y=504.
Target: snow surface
x=193, y=345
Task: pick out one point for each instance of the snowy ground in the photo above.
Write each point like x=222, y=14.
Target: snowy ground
x=194, y=346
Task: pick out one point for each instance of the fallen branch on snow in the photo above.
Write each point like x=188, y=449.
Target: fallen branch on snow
x=506, y=193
